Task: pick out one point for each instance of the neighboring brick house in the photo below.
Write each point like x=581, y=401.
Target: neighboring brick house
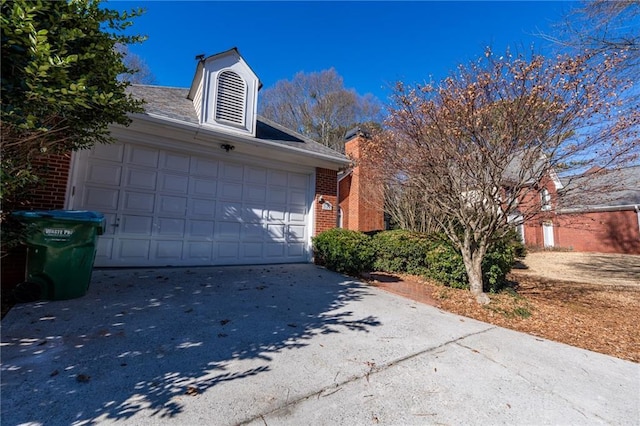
x=360, y=198
x=596, y=212
x=200, y=179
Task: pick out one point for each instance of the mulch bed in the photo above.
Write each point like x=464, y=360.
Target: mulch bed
x=598, y=318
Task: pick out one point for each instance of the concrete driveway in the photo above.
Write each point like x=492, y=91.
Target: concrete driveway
x=288, y=344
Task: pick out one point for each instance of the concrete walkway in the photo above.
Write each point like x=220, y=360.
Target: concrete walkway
x=288, y=345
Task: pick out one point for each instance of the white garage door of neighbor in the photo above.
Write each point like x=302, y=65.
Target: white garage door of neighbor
x=166, y=208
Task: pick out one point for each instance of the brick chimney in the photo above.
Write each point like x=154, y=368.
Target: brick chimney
x=360, y=197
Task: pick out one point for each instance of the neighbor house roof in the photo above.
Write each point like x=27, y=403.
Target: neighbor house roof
x=172, y=103
x=528, y=169
x=601, y=190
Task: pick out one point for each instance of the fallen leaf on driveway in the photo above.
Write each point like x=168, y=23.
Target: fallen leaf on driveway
x=192, y=391
x=83, y=378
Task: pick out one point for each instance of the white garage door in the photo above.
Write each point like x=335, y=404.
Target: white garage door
x=167, y=208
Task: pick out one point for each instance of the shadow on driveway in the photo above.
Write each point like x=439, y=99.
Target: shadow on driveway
x=148, y=339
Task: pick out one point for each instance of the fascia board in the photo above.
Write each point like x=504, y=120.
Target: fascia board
x=190, y=132
x=595, y=209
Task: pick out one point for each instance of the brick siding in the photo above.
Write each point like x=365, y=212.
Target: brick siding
x=327, y=188
x=603, y=232
x=600, y=232
x=360, y=197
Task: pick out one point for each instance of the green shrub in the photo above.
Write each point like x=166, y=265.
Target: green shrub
x=500, y=259
x=342, y=250
x=515, y=241
x=446, y=266
x=402, y=251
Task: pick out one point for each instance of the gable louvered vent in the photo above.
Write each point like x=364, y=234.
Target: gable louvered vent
x=230, y=104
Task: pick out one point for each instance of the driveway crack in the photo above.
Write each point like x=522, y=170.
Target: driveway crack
x=373, y=369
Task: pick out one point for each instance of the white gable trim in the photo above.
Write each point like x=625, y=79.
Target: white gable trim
x=219, y=112
x=190, y=133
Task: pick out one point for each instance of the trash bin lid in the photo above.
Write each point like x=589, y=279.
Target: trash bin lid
x=76, y=215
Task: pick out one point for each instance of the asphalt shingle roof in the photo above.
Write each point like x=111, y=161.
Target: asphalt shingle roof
x=172, y=103
x=619, y=187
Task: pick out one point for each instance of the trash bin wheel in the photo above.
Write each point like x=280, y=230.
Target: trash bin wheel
x=27, y=292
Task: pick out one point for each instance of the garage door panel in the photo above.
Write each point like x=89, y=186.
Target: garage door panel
x=140, y=179
x=133, y=250
x=277, y=196
x=138, y=225
x=277, y=214
x=251, y=213
x=229, y=211
x=202, y=208
x=297, y=214
x=298, y=198
x=298, y=181
x=201, y=228
x=100, y=199
x=106, y=174
x=295, y=249
x=232, y=171
x=228, y=231
x=198, y=251
x=142, y=156
x=277, y=178
x=274, y=250
x=230, y=190
x=172, y=205
x=170, y=226
x=202, y=187
x=252, y=250
x=139, y=201
x=256, y=175
x=255, y=193
x=204, y=167
x=227, y=252
x=111, y=152
x=174, y=183
x=104, y=248
x=253, y=231
x=166, y=250
x=296, y=233
x=275, y=232
x=173, y=161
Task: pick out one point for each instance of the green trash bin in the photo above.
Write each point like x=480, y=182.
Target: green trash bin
x=61, y=248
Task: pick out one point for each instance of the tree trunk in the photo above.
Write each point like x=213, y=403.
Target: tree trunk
x=473, y=265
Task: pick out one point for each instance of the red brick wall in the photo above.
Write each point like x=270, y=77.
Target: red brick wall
x=344, y=191
x=49, y=195
x=327, y=188
x=360, y=198
x=603, y=232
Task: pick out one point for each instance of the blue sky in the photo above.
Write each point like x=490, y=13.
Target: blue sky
x=371, y=44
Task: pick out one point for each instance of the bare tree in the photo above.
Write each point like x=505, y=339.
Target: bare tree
x=604, y=27
x=477, y=145
x=318, y=105
x=138, y=70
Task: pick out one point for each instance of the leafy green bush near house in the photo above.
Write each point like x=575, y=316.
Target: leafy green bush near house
x=402, y=251
x=399, y=251
x=445, y=264
x=342, y=250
